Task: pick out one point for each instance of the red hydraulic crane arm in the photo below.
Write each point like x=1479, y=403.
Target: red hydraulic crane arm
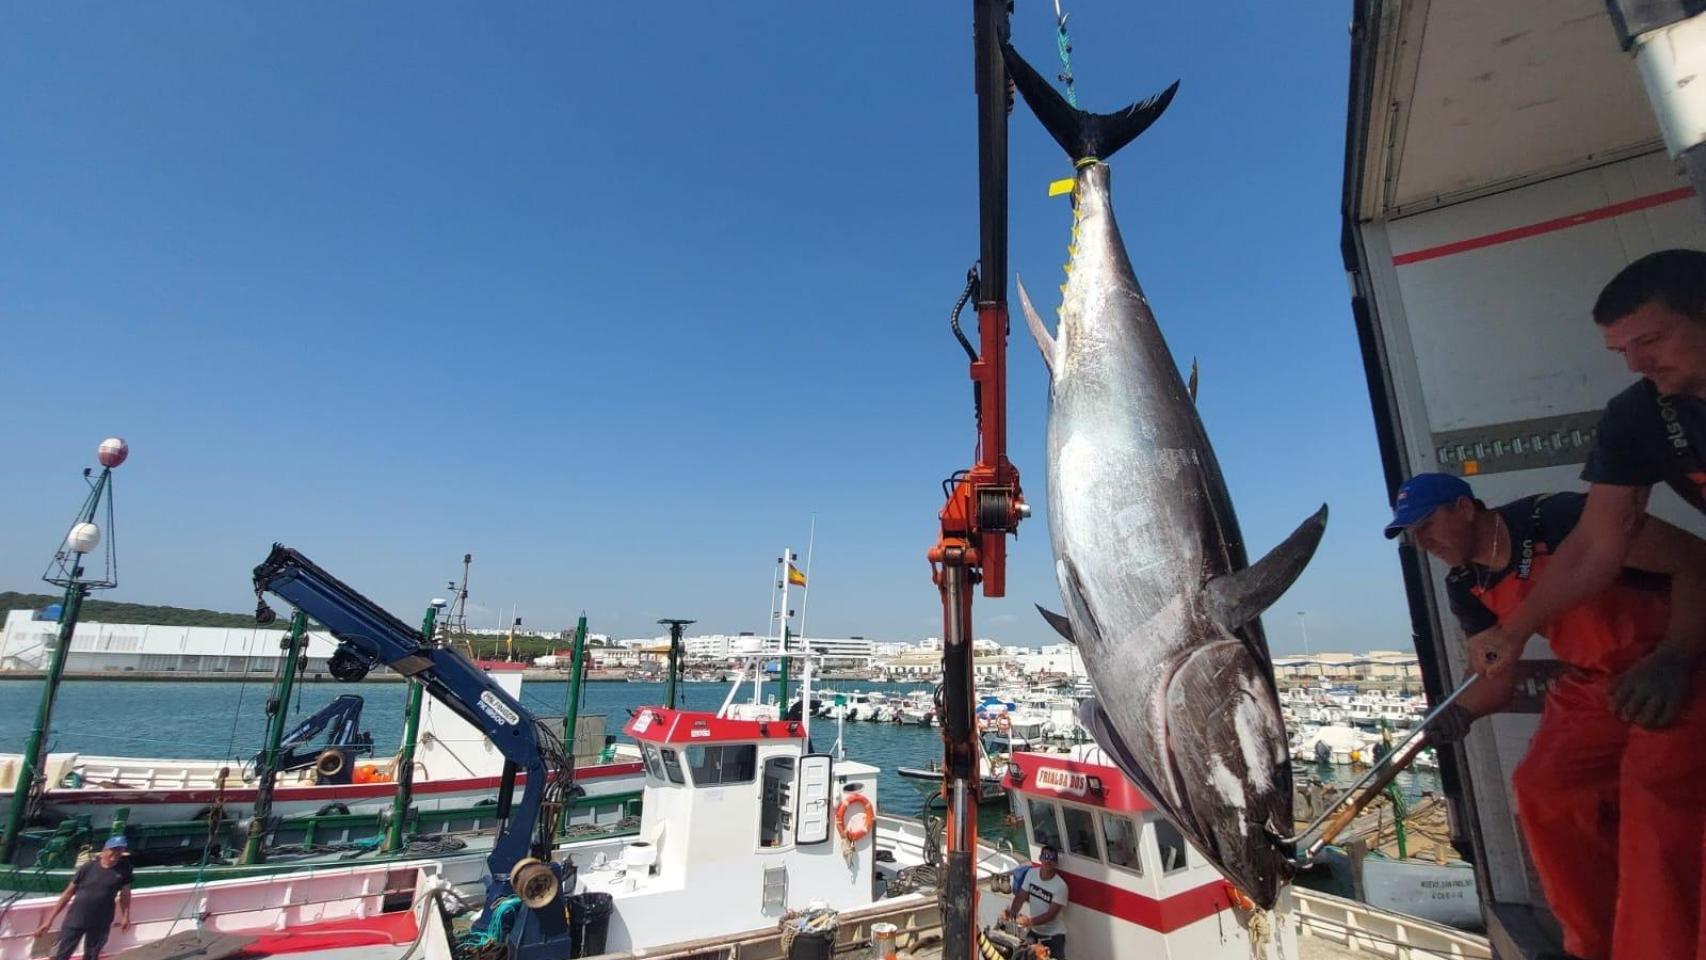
x=984, y=504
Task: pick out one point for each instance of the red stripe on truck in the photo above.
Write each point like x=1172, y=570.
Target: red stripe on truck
x=1545, y=226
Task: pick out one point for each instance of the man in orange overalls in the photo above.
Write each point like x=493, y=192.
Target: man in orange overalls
x=1612, y=793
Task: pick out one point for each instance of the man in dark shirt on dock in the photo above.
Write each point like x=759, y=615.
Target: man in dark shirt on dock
x=98, y=886
x=1612, y=793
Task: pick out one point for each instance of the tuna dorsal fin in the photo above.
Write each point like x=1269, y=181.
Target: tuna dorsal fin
x=1083, y=135
x=1059, y=622
x=1236, y=598
x=1045, y=343
x=1192, y=385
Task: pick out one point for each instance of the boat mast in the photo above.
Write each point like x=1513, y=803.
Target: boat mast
x=266, y=771
x=805, y=639
x=411, y=732
x=66, y=570
x=674, y=658
x=571, y=715
x=787, y=580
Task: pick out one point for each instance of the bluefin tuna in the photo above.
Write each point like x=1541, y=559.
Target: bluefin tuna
x=1159, y=596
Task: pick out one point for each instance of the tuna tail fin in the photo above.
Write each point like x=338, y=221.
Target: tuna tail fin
x=1039, y=330
x=1239, y=597
x=1083, y=135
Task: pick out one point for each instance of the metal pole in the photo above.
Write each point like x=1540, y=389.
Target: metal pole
x=674, y=659
x=571, y=714
x=960, y=786
x=27, y=788
x=787, y=581
x=782, y=676
x=406, y=755
x=266, y=772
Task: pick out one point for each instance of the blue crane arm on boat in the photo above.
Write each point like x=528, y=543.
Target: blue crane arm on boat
x=341, y=718
x=369, y=635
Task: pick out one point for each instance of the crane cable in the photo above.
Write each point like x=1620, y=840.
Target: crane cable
x=1064, y=45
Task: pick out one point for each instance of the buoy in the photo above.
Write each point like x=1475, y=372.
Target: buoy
x=861, y=828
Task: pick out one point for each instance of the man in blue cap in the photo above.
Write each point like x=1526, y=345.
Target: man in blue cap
x=98, y=886
x=1612, y=793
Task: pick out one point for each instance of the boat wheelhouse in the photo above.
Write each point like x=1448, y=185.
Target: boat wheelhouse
x=741, y=822
x=1135, y=887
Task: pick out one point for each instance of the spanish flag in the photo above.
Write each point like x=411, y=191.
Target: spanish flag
x=795, y=577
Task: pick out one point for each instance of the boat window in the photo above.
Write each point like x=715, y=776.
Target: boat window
x=1080, y=832
x=1171, y=844
x=776, y=807
x=1120, y=835
x=672, y=766
x=1044, y=828
x=716, y=765
x=654, y=766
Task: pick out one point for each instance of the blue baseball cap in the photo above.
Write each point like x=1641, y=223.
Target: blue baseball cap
x=115, y=843
x=1421, y=495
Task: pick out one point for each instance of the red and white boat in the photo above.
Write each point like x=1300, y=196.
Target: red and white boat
x=455, y=767
x=1135, y=888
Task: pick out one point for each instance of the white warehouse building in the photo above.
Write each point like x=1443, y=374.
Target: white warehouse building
x=27, y=642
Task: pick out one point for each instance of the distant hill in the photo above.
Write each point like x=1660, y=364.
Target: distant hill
x=106, y=611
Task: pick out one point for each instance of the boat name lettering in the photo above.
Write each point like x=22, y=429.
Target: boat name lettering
x=1063, y=781
x=700, y=732
x=493, y=707
x=1448, y=883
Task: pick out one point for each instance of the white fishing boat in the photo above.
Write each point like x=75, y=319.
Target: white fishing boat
x=454, y=767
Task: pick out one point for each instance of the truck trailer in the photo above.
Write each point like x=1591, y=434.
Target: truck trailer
x=1503, y=161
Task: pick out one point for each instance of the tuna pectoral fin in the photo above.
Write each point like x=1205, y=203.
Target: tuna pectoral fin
x=1045, y=343
x=1059, y=622
x=1236, y=598
x=1101, y=729
x=1083, y=135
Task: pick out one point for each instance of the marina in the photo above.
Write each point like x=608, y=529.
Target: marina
x=620, y=303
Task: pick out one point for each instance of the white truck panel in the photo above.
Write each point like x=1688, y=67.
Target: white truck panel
x=1502, y=333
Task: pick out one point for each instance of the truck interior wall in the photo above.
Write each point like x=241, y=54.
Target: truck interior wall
x=1480, y=311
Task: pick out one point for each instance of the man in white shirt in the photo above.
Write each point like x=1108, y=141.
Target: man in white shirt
x=1042, y=897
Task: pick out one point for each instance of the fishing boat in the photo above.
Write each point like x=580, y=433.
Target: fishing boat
x=1444, y=892
x=1137, y=888
x=454, y=767
x=991, y=765
x=918, y=710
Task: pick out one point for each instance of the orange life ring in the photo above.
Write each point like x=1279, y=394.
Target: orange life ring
x=859, y=832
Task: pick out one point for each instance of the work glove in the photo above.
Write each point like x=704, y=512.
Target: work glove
x=1451, y=725
x=1653, y=691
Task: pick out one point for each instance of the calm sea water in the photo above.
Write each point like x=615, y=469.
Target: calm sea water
x=225, y=720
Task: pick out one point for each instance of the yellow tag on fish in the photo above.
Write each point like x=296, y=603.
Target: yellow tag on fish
x=1059, y=187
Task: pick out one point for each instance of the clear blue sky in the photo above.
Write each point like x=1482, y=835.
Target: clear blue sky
x=616, y=298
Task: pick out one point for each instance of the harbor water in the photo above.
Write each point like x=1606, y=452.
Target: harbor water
x=202, y=720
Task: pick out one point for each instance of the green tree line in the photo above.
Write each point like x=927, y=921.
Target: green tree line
x=107, y=611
